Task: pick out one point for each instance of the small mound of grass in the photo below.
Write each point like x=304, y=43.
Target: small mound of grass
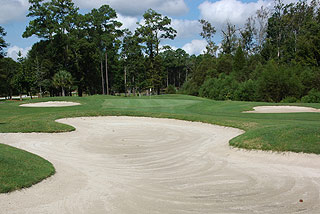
x=20, y=169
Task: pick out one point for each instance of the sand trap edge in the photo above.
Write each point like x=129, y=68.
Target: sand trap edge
x=282, y=109
x=51, y=104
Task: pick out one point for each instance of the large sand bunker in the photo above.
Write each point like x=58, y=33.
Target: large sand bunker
x=282, y=109
x=51, y=104
x=130, y=165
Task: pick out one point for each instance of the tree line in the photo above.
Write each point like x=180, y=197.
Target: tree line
x=274, y=57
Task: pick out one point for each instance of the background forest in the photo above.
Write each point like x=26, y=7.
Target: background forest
x=274, y=57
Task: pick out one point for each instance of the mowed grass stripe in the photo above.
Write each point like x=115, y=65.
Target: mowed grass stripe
x=146, y=103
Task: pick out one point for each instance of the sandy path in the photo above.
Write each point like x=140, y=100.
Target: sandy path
x=141, y=165
x=51, y=104
x=282, y=109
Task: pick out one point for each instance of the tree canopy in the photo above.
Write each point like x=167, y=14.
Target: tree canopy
x=274, y=57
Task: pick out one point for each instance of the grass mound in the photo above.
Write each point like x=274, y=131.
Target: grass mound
x=19, y=169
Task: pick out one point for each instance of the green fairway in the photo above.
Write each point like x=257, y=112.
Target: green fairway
x=20, y=169
x=297, y=132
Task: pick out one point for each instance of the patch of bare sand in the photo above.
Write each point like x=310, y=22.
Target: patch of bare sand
x=282, y=109
x=131, y=165
x=51, y=104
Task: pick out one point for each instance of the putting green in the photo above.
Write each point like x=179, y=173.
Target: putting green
x=146, y=103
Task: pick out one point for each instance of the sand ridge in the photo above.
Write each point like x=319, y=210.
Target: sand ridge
x=131, y=165
x=51, y=104
x=282, y=109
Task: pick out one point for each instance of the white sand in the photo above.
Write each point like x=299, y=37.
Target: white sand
x=51, y=104
x=282, y=109
x=130, y=165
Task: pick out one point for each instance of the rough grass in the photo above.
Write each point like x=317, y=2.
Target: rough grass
x=19, y=169
x=296, y=132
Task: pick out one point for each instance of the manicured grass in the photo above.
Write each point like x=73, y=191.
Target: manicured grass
x=19, y=169
x=297, y=132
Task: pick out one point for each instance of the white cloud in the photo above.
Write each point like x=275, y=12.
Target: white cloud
x=235, y=11
x=162, y=47
x=195, y=47
x=13, y=10
x=128, y=22
x=13, y=52
x=138, y=7
x=186, y=28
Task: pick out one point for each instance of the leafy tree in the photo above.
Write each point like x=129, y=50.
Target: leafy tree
x=239, y=64
x=229, y=41
x=176, y=66
x=312, y=97
x=24, y=78
x=190, y=88
x=63, y=80
x=171, y=90
x=39, y=60
x=246, y=91
x=3, y=44
x=205, y=68
x=154, y=28
x=277, y=82
x=260, y=32
x=50, y=18
x=207, y=33
x=221, y=88
x=104, y=31
x=169, y=62
x=225, y=64
x=133, y=61
x=247, y=36
x=8, y=69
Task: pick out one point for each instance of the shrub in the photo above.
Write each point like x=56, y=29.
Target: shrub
x=312, y=97
x=289, y=100
x=171, y=89
x=246, y=91
x=221, y=88
x=189, y=88
x=276, y=82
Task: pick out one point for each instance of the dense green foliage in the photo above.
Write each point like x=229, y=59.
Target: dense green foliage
x=19, y=169
x=277, y=60
x=3, y=44
x=274, y=57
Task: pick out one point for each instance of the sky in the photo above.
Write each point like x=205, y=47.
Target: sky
x=183, y=13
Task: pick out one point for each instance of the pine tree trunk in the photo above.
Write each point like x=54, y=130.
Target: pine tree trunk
x=134, y=86
x=80, y=91
x=102, y=78
x=125, y=81
x=107, y=79
x=40, y=92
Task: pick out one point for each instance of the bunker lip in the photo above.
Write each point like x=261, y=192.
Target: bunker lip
x=145, y=165
x=51, y=104
x=282, y=109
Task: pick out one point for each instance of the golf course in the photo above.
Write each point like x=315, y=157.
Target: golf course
x=158, y=154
